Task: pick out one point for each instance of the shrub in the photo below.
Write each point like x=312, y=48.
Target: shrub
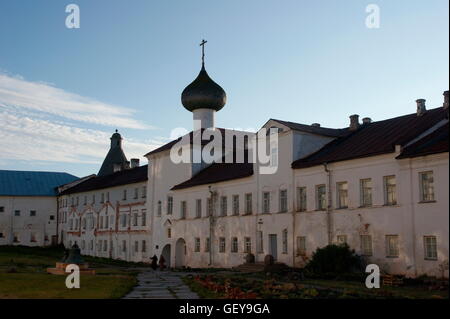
x=334, y=260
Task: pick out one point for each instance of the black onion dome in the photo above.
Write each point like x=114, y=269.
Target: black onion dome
x=203, y=93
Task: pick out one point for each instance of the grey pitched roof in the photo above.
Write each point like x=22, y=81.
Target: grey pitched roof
x=28, y=183
x=325, y=131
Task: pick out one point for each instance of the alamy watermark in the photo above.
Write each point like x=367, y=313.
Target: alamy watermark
x=73, y=280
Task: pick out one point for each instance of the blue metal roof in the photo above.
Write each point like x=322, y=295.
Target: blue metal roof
x=27, y=183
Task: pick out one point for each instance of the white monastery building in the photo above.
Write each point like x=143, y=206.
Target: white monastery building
x=379, y=186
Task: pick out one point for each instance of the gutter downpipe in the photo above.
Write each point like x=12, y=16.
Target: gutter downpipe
x=329, y=220
x=294, y=209
x=211, y=226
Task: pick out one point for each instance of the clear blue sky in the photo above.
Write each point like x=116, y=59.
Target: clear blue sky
x=302, y=61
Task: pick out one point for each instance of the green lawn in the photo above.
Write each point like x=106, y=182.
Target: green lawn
x=23, y=275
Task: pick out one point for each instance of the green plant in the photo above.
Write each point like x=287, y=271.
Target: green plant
x=334, y=260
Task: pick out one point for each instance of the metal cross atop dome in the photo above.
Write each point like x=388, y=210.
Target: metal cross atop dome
x=203, y=50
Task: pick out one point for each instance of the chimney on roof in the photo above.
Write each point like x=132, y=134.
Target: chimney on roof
x=316, y=124
x=134, y=162
x=446, y=100
x=354, y=122
x=367, y=120
x=421, y=108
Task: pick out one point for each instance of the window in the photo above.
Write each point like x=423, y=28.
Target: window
x=274, y=156
x=124, y=197
x=321, y=197
x=301, y=245
x=222, y=244
x=107, y=196
x=342, y=194
x=260, y=242
x=144, y=217
x=390, y=197
x=169, y=205
x=426, y=186
x=198, y=208
x=183, y=210
x=159, y=209
x=247, y=245
x=2, y=209
x=99, y=245
x=33, y=238
x=235, y=204
x=283, y=201
x=105, y=245
x=248, y=204
x=2, y=235
x=52, y=217
x=301, y=199
x=102, y=198
x=366, y=245
x=83, y=244
x=209, y=203
x=83, y=223
x=93, y=199
x=136, y=193
x=207, y=244
x=32, y=213
x=124, y=245
x=144, y=191
x=341, y=239
x=16, y=238
x=169, y=233
x=266, y=202
x=234, y=245
x=78, y=200
x=106, y=221
x=144, y=246
x=136, y=246
x=392, y=246
x=135, y=218
x=124, y=220
x=101, y=222
x=430, y=247
x=197, y=245
x=285, y=241
x=366, y=192
x=85, y=200
x=17, y=213
x=223, y=206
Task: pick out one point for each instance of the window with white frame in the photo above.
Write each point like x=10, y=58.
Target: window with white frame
x=169, y=232
x=136, y=246
x=105, y=245
x=248, y=204
x=223, y=205
x=274, y=156
x=32, y=213
x=124, y=197
x=301, y=245
x=169, y=205
x=366, y=192
x=426, y=186
x=2, y=209
x=390, y=196
x=124, y=220
x=136, y=193
x=101, y=222
x=247, y=245
x=285, y=241
x=266, y=202
x=17, y=212
x=283, y=201
x=197, y=244
x=102, y=198
x=207, y=244
x=198, y=208
x=144, y=246
x=430, y=247
x=106, y=221
x=183, y=208
x=144, y=191
x=342, y=194
x=392, y=246
x=221, y=244
x=135, y=218
x=235, y=204
x=321, y=197
x=234, y=245
x=93, y=199
x=366, y=245
x=124, y=245
x=301, y=199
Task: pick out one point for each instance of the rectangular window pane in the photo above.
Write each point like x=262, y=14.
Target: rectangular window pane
x=198, y=208
x=247, y=245
x=366, y=245
x=285, y=241
x=301, y=199
x=301, y=245
x=260, y=242
x=392, y=249
x=235, y=204
x=221, y=244
x=169, y=205
x=427, y=186
x=234, y=245
x=283, y=201
x=266, y=202
x=366, y=192
x=248, y=204
x=321, y=197
x=342, y=194
x=390, y=196
x=430, y=247
x=223, y=206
